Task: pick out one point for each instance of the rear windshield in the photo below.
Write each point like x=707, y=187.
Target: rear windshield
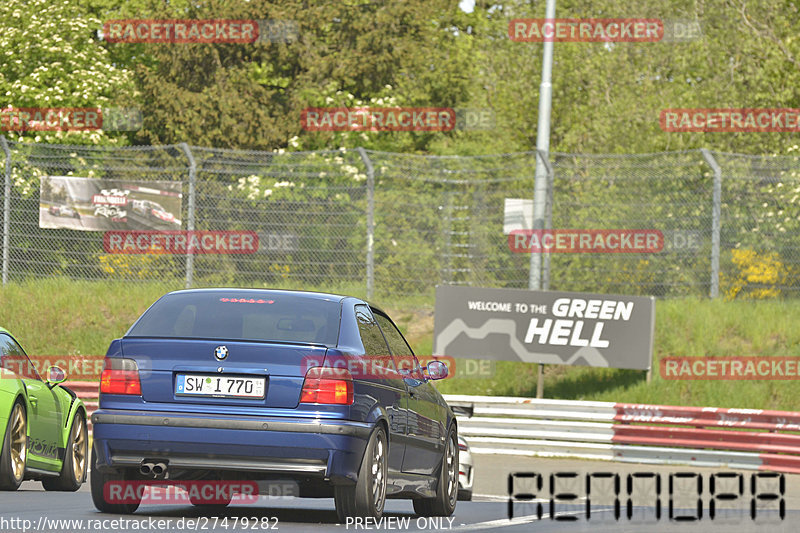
x=245, y=316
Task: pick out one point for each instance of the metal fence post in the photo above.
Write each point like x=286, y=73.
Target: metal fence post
x=6, y=207
x=715, y=221
x=548, y=215
x=538, y=277
x=190, y=210
x=370, y=220
x=447, y=257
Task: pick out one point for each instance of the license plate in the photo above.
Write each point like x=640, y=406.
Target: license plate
x=219, y=386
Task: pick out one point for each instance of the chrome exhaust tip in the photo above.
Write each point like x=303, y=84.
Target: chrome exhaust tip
x=159, y=469
x=146, y=469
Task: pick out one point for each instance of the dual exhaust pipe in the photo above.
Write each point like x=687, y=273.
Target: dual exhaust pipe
x=153, y=469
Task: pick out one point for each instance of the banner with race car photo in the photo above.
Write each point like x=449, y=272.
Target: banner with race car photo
x=92, y=204
x=561, y=328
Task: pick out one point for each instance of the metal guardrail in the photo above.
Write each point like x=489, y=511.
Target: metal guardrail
x=657, y=434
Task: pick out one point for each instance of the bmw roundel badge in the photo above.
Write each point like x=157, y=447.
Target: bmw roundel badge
x=221, y=352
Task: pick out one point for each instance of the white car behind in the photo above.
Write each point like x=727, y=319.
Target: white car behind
x=466, y=470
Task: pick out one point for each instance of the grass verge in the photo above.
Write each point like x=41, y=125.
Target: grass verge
x=62, y=317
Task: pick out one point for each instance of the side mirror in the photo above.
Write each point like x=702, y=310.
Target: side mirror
x=437, y=370
x=55, y=375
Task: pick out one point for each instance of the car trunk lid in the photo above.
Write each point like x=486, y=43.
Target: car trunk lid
x=236, y=373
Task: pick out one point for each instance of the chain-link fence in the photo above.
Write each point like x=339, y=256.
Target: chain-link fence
x=386, y=224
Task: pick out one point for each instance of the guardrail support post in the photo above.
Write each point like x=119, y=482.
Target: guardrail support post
x=715, y=221
x=6, y=207
x=370, y=220
x=190, y=211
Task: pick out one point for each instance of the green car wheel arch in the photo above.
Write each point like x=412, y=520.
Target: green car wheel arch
x=43, y=426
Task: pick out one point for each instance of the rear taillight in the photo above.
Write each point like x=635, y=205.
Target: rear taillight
x=120, y=376
x=327, y=385
x=462, y=447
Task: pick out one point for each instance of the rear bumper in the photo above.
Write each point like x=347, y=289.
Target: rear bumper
x=465, y=465
x=295, y=447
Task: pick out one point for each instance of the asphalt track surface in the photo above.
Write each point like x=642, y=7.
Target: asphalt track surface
x=33, y=509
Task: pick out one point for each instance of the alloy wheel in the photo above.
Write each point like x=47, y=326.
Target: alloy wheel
x=79, y=448
x=378, y=474
x=452, y=470
x=19, y=441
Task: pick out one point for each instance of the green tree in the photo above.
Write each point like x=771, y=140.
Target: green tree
x=251, y=95
x=607, y=97
x=52, y=59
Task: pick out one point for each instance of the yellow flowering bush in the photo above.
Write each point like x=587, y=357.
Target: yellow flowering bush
x=128, y=266
x=757, y=275
x=152, y=265
x=281, y=271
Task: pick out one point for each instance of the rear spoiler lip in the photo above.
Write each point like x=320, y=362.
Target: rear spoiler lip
x=248, y=341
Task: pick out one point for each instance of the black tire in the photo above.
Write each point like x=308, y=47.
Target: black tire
x=98, y=481
x=367, y=497
x=464, y=495
x=10, y=476
x=444, y=503
x=73, y=471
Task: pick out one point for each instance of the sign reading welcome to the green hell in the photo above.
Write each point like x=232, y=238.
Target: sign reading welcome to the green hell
x=546, y=327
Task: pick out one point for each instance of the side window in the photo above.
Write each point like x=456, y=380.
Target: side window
x=371, y=338
x=404, y=357
x=380, y=363
x=396, y=341
x=13, y=359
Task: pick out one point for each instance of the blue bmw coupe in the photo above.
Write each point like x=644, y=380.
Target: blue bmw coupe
x=248, y=384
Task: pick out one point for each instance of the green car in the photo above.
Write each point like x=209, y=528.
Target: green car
x=42, y=424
